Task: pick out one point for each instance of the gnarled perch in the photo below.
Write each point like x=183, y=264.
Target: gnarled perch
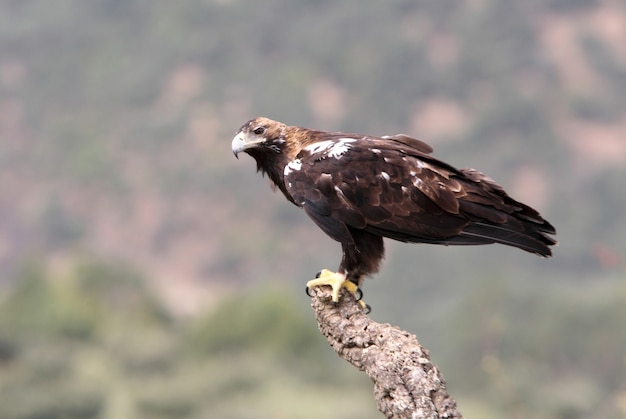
x=406, y=383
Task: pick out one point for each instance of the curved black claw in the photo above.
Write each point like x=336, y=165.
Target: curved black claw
x=367, y=309
x=359, y=294
x=317, y=275
x=308, y=291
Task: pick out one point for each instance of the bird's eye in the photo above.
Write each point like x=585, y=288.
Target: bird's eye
x=259, y=130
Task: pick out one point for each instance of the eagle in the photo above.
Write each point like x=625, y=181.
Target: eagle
x=359, y=189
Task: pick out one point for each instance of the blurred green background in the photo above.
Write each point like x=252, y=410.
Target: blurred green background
x=146, y=273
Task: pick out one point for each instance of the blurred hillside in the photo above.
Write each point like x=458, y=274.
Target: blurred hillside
x=122, y=208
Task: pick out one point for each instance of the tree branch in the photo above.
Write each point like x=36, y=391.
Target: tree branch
x=406, y=383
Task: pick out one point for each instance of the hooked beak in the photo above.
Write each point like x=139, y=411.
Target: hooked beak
x=242, y=142
x=238, y=145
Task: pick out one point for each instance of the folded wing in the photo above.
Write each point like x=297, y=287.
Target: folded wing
x=392, y=187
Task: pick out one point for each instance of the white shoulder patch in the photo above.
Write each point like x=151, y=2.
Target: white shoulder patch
x=340, y=147
x=318, y=147
x=332, y=148
x=292, y=166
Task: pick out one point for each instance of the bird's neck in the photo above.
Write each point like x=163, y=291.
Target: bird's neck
x=273, y=165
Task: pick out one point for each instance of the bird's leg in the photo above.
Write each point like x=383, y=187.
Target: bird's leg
x=337, y=281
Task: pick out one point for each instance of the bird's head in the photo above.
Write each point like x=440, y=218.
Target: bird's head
x=260, y=136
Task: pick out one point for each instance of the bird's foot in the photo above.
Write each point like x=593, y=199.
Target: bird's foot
x=337, y=281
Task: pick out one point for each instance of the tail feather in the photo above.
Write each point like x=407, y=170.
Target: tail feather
x=530, y=237
x=507, y=222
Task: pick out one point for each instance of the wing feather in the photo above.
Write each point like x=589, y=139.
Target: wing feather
x=414, y=143
x=382, y=186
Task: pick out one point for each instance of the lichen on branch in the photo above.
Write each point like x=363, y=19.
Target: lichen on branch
x=406, y=383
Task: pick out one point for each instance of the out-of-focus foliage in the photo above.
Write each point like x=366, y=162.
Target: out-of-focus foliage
x=115, y=127
x=94, y=343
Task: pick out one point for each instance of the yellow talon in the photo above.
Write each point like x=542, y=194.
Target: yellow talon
x=337, y=281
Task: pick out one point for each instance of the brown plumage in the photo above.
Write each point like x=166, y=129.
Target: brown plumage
x=359, y=189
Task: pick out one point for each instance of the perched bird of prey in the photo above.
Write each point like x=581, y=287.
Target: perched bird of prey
x=359, y=189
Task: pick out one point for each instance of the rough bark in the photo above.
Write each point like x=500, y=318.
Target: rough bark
x=406, y=383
